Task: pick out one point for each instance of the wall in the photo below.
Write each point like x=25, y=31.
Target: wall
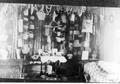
x=110, y=35
x=8, y=25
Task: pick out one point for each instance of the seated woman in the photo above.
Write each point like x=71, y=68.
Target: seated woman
x=70, y=69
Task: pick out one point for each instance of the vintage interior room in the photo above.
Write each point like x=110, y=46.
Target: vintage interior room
x=55, y=43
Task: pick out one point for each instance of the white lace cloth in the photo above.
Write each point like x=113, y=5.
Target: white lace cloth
x=98, y=74
x=62, y=59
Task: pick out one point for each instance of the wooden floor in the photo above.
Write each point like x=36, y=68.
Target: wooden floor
x=34, y=80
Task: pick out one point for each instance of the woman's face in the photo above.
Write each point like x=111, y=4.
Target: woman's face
x=69, y=56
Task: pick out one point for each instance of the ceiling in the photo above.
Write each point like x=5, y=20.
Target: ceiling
x=101, y=3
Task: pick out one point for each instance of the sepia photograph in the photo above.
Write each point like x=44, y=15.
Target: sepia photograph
x=52, y=42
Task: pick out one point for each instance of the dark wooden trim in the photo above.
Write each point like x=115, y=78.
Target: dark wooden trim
x=101, y=3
